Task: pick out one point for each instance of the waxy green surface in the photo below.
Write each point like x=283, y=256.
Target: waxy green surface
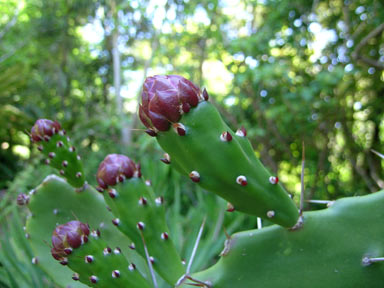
x=130, y=210
x=102, y=266
x=326, y=252
x=220, y=163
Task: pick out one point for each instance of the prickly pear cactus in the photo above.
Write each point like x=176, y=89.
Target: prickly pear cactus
x=94, y=262
x=56, y=202
x=341, y=246
x=56, y=146
x=199, y=144
x=139, y=214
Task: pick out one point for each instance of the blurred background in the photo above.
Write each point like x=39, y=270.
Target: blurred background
x=289, y=71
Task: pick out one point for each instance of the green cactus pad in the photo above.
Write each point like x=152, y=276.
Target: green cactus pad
x=226, y=165
x=55, y=202
x=327, y=251
x=139, y=214
x=61, y=155
x=98, y=265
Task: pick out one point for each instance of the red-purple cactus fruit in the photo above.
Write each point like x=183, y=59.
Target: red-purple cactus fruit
x=165, y=98
x=44, y=128
x=116, y=168
x=67, y=237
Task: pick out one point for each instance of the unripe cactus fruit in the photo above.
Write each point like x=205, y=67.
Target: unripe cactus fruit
x=139, y=214
x=91, y=259
x=204, y=148
x=55, y=145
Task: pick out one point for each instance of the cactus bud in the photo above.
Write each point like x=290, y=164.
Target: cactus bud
x=114, y=169
x=241, y=132
x=69, y=235
x=22, y=199
x=165, y=98
x=43, y=129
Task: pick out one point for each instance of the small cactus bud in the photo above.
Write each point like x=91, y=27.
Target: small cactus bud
x=195, y=176
x=35, y=261
x=43, y=129
x=72, y=148
x=107, y=251
x=226, y=137
x=62, y=172
x=51, y=155
x=59, y=144
x=132, y=267
x=148, y=182
x=152, y=260
x=241, y=132
x=68, y=251
x=165, y=98
x=76, y=277
x=273, y=180
x=230, y=207
x=64, y=262
x=40, y=148
x=271, y=214
x=164, y=236
x=241, y=180
x=69, y=235
x=114, y=168
x=179, y=129
x=115, y=274
x=166, y=159
x=22, y=199
x=64, y=163
x=132, y=246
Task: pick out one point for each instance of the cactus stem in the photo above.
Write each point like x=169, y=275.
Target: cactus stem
x=88, y=259
x=112, y=193
x=179, y=129
x=230, y=207
x=149, y=262
x=132, y=267
x=241, y=180
x=142, y=201
x=195, y=176
x=35, y=260
x=273, y=180
x=93, y=279
x=226, y=137
x=164, y=236
x=117, y=251
x=116, y=221
x=76, y=276
x=166, y=159
x=115, y=274
x=366, y=261
x=132, y=246
x=64, y=163
x=302, y=182
x=241, y=132
x=159, y=201
x=51, y=155
x=107, y=251
x=271, y=214
x=140, y=225
x=151, y=132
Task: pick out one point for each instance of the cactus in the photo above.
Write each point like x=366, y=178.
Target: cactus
x=336, y=247
x=139, y=214
x=95, y=263
x=203, y=147
x=56, y=146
